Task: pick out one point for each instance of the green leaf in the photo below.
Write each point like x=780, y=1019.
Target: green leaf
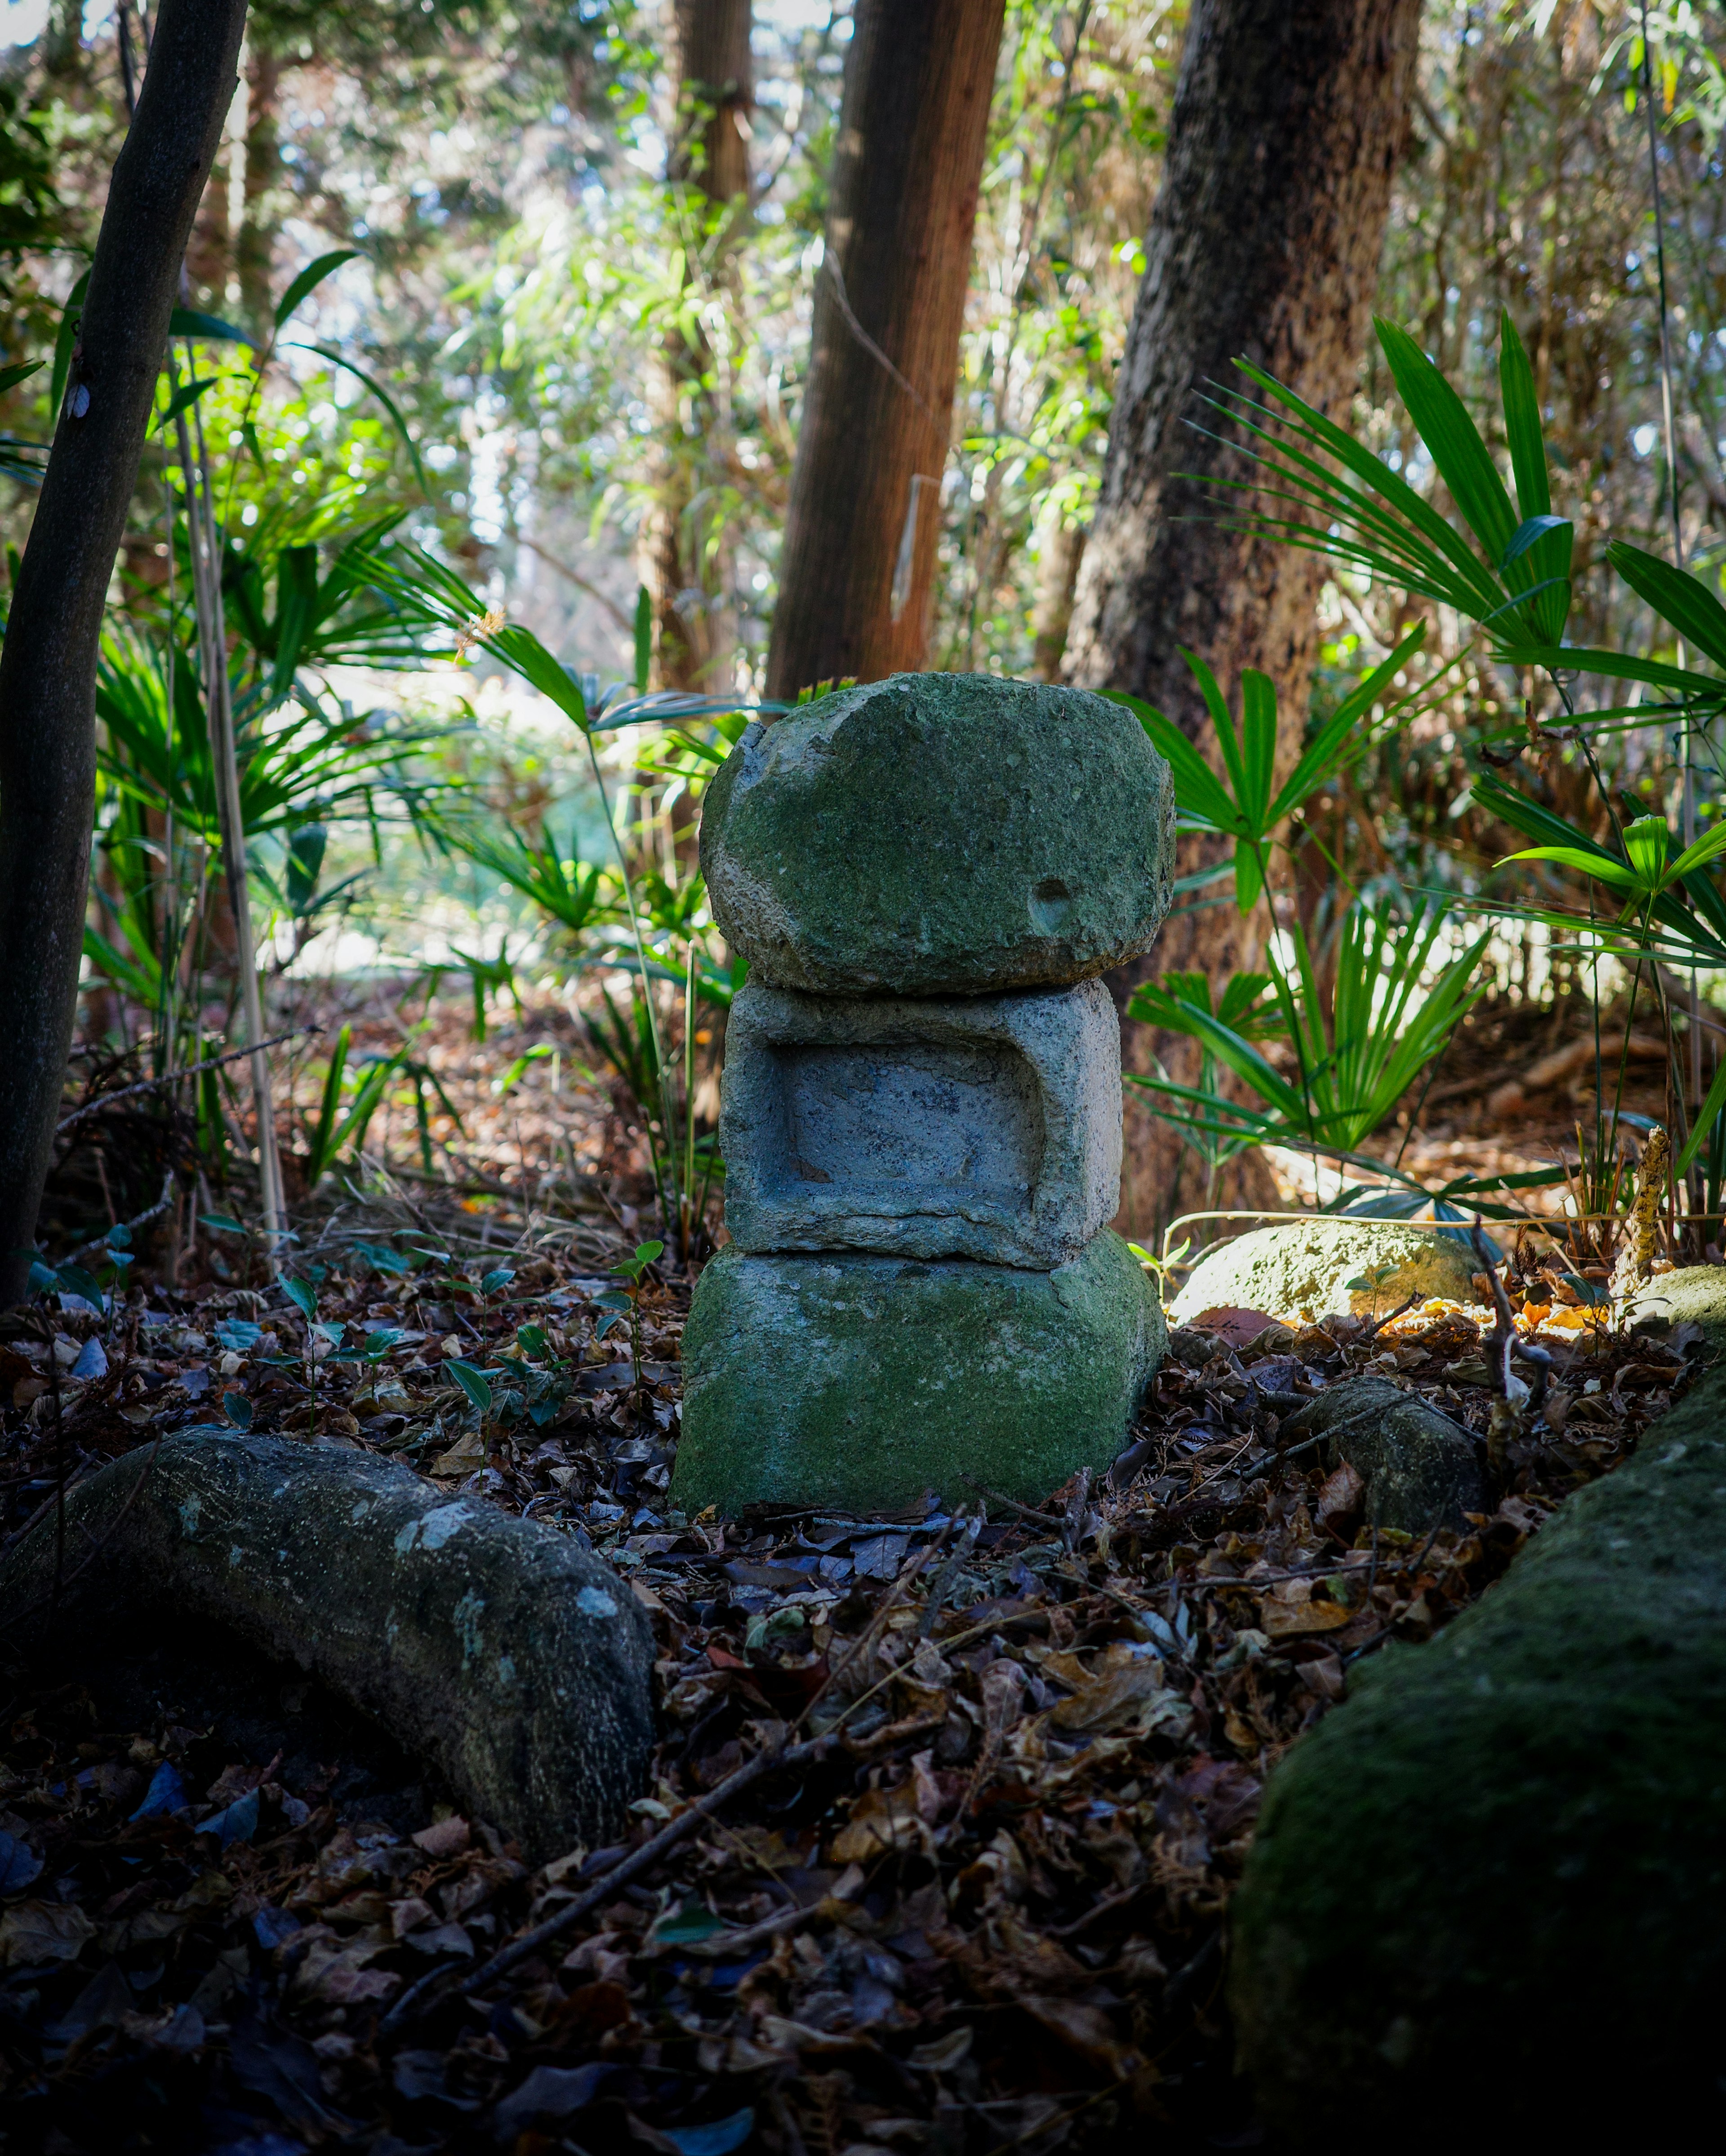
x=310, y=278
x=188, y=393
x=474, y=1383
x=1258, y=743
x=71, y=315
x=1525, y=536
x=211, y=329
x=644, y=639
x=1453, y=440
x=1706, y=1117
x=300, y=1294
x=1680, y=599
x=20, y=371
x=499, y=1276
x=1522, y=428
x=1599, y=865
x=223, y=1225
x=238, y=1409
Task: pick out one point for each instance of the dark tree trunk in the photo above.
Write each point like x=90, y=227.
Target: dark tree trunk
x=890, y=302
x=48, y=667
x=1263, y=244
x=689, y=583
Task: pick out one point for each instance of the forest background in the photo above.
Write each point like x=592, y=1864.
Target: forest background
x=530, y=240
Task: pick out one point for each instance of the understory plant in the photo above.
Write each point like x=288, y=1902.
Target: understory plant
x=1643, y=889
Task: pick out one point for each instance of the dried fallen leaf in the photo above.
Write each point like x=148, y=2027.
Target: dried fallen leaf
x=35, y=1932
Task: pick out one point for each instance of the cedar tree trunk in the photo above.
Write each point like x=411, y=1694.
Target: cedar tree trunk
x=890, y=301
x=1263, y=244
x=694, y=628
x=48, y=668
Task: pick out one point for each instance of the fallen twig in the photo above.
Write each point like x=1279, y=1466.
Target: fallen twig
x=408, y=2007
x=173, y=1077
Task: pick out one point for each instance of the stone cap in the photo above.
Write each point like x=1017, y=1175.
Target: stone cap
x=941, y=834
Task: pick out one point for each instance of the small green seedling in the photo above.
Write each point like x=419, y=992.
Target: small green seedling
x=623, y=1304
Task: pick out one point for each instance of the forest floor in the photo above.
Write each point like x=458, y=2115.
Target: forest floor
x=990, y=1919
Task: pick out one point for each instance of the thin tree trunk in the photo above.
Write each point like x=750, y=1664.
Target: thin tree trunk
x=689, y=583
x=260, y=216
x=1061, y=549
x=47, y=666
x=1263, y=244
x=865, y=515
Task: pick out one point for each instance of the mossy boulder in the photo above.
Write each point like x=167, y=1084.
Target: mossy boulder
x=1300, y=1268
x=1692, y=1294
x=1493, y=1883
x=863, y=1382
x=1420, y=1469
x=940, y=834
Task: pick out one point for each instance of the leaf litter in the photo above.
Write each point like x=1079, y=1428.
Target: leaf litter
x=987, y=1915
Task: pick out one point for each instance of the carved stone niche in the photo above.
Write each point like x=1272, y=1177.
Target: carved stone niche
x=986, y=1127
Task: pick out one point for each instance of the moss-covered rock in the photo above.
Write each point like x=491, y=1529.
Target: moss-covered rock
x=1300, y=1268
x=941, y=834
x=863, y=1382
x=1420, y=1469
x=1492, y=1887
x=1693, y=1294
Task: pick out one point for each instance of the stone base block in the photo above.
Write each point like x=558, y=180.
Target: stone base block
x=861, y=1383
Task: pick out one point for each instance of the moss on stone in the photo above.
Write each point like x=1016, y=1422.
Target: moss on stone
x=863, y=1382
x=1302, y=1268
x=941, y=834
x=1500, y=1870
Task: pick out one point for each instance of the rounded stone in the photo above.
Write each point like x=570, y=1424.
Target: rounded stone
x=1301, y=1269
x=940, y=834
x=863, y=1382
x=1500, y=1864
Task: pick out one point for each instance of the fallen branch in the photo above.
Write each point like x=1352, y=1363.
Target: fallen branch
x=409, y=2007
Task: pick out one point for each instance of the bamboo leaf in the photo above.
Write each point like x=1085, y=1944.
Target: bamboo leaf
x=310, y=278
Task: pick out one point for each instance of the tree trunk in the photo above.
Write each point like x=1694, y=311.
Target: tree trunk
x=864, y=516
x=1263, y=244
x=47, y=666
x=694, y=627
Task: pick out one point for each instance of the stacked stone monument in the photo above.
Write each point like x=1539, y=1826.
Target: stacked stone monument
x=921, y=1103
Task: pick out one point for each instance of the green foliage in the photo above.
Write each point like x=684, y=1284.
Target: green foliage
x=1506, y=566
x=1240, y=803
x=1393, y=1007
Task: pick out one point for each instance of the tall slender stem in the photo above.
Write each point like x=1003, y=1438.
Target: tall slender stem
x=668, y=1200
x=205, y=580
x=1688, y=810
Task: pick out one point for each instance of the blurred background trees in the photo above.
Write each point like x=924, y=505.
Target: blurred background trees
x=571, y=347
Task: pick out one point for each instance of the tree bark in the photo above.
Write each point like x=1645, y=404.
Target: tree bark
x=47, y=666
x=690, y=586
x=863, y=521
x=1263, y=244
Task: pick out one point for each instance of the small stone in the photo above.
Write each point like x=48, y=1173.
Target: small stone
x=1301, y=1269
x=941, y=834
x=862, y=1381
x=985, y=1127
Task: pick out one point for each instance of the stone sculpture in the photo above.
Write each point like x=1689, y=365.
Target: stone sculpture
x=922, y=1111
